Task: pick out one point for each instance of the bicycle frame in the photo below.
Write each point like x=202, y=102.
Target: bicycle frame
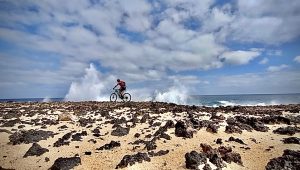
x=118, y=92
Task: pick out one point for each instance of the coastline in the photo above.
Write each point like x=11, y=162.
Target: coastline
x=164, y=132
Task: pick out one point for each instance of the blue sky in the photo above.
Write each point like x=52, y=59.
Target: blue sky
x=79, y=48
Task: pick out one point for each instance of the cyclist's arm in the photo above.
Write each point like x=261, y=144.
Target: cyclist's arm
x=115, y=86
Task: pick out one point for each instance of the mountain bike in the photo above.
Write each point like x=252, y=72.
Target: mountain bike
x=114, y=96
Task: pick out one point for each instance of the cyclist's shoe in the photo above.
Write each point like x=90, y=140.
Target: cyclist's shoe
x=122, y=97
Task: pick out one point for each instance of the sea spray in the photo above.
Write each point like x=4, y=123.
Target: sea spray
x=176, y=94
x=92, y=86
x=46, y=99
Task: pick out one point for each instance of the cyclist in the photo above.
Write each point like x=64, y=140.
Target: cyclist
x=122, y=88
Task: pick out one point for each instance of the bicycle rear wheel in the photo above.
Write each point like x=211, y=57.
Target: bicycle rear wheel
x=113, y=97
x=127, y=97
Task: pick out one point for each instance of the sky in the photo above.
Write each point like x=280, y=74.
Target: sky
x=78, y=48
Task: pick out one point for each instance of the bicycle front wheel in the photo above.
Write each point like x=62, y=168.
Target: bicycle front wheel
x=127, y=97
x=113, y=97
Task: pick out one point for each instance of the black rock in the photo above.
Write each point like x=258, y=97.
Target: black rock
x=212, y=128
x=21, y=126
x=150, y=145
x=30, y=136
x=65, y=163
x=275, y=119
x=137, y=135
x=194, y=159
x=181, y=130
x=88, y=153
x=132, y=159
x=148, y=136
x=5, y=131
x=169, y=124
x=217, y=160
x=224, y=150
x=47, y=159
x=35, y=150
x=207, y=167
x=289, y=160
x=145, y=118
x=291, y=140
x=11, y=123
x=63, y=127
x=63, y=141
x=232, y=129
x=236, y=140
x=109, y=146
x=84, y=122
x=233, y=157
x=96, y=131
x=159, y=153
x=165, y=136
x=120, y=131
x=289, y=130
x=77, y=137
x=219, y=141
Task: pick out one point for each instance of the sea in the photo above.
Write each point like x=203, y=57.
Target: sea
x=211, y=100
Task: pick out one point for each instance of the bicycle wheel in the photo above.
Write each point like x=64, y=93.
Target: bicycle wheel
x=127, y=97
x=113, y=97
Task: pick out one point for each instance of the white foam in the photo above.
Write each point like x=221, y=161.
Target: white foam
x=46, y=99
x=175, y=94
x=92, y=86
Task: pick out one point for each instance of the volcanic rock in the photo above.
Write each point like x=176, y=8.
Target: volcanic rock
x=159, y=153
x=29, y=136
x=236, y=140
x=206, y=148
x=36, y=150
x=109, y=146
x=194, y=159
x=219, y=141
x=291, y=140
x=289, y=130
x=289, y=160
x=137, y=135
x=232, y=129
x=77, y=136
x=150, y=145
x=207, y=167
x=63, y=141
x=145, y=118
x=233, y=157
x=65, y=163
x=132, y=159
x=181, y=130
x=120, y=131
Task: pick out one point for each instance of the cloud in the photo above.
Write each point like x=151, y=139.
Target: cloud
x=297, y=59
x=277, y=68
x=139, y=40
x=264, y=61
x=239, y=57
x=261, y=24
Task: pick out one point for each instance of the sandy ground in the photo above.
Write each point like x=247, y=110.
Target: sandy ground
x=257, y=157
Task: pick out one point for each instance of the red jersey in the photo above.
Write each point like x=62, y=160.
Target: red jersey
x=122, y=83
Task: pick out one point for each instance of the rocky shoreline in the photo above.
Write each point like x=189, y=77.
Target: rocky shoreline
x=147, y=135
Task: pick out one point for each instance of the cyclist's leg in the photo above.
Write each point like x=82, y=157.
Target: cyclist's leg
x=122, y=92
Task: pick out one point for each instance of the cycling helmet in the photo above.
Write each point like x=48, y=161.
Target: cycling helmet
x=118, y=80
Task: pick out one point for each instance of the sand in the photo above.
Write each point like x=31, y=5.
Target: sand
x=254, y=158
